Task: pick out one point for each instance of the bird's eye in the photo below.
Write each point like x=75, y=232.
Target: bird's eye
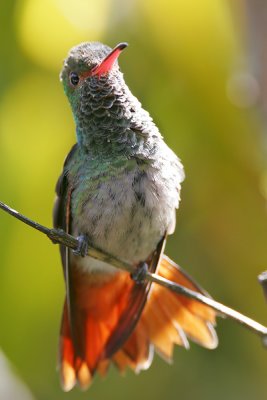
x=74, y=78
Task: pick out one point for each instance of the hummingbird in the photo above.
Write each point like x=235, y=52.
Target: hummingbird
x=119, y=191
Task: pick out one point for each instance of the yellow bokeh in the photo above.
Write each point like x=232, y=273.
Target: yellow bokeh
x=195, y=35
x=48, y=28
x=35, y=120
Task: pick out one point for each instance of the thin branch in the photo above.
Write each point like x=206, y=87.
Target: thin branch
x=60, y=237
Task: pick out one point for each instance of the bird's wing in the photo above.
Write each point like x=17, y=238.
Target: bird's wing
x=62, y=220
x=61, y=207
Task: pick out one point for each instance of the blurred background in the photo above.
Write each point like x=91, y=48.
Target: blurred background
x=199, y=67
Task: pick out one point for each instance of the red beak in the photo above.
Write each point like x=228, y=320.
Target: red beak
x=108, y=62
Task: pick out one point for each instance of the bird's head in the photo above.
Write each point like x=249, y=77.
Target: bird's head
x=107, y=116
x=88, y=68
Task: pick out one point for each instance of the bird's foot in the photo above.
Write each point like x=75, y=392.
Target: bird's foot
x=83, y=246
x=139, y=275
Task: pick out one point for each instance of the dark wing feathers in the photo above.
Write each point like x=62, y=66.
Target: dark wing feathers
x=62, y=188
x=136, y=304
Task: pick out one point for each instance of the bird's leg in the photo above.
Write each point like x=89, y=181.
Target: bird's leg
x=139, y=275
x=83, y=246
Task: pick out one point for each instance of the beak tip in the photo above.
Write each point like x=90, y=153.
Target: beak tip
x=122, y=46
x=109, y=61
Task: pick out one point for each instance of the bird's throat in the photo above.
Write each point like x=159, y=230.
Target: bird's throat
x=104, y=113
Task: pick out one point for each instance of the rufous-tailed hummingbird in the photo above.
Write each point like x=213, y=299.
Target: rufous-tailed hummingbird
x=119, y=191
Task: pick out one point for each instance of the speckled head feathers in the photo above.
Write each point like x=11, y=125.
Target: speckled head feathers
x=84, y=57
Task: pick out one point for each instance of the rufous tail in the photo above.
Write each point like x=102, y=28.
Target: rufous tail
x=168, y=319
x=104, y=312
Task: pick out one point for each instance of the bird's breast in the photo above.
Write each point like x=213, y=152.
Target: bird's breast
x=125, y=215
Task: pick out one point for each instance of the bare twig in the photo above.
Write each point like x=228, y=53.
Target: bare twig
x=60, y=237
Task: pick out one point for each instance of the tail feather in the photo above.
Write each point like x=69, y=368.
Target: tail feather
x=169, y=318
x=190, y=318
x=67, y=370
x=122, y=361
x=67, y=375
x=136, y=354
x=84, y=376
x=104, y=313
x=160, y=328
x=138, y=348
x=102, y=367
x=101, y=311
x=171, y=271
x=178, y=315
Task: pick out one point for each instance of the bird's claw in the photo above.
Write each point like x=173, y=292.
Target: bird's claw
x=83, y=246
x=139, y=275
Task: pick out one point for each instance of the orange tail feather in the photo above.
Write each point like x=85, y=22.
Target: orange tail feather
x=168, y=319
x=104, y=310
